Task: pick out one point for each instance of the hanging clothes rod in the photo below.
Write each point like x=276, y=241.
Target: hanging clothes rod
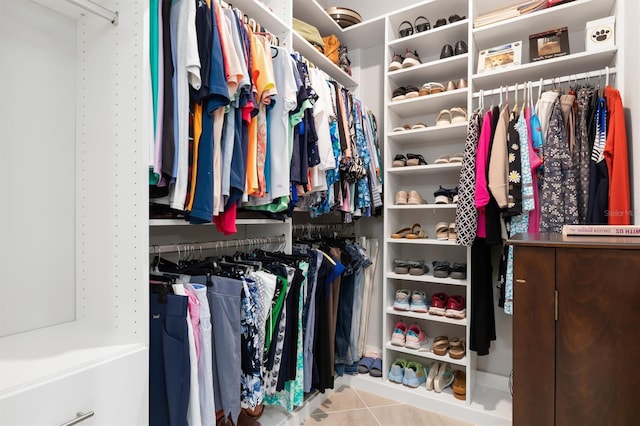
x=217, y=245
x=96, y=9
x=550, y=81
x=323, y=228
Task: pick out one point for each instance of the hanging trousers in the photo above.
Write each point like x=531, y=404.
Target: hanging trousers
x=169, y=365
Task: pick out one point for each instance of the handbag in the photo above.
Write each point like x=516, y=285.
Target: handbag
x=332, y=48
x=309, y=33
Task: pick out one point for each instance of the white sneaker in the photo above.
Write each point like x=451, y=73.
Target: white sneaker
x=444, y=378
x=433, y=372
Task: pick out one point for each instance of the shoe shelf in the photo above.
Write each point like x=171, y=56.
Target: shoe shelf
x=435, y=102
x=425, y=353
x=421, y=241
x=441, y=70
x=428, y=169
x=432, y=142
x=550, y=68
x=422, y=206
x=426, y=278
x=572, y=15
x=452, y=131
x=429, y=43
x=427, y=317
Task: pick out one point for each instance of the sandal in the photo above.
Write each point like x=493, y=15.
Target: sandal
x=442, y=231
x=441, y=269
x=415, y=160
x=416, y=232
x=442, y=196
x=460, y=385
x=401, y=267
x=443, y=159
x=402, y=128
x=417, y=268
x=399, y=161
x=436, y=88
x=459, y=271
x=398, y=94
x=456, y=307
x=456, y=348
x=452, y=232
x=376, y=368
x=425, y=89
x=418, y=126
x=401, y=233
x=444, y=118
x=412, y=92
x=440, y=345
x=365, y=365
x=458, y=115
x=456, y=158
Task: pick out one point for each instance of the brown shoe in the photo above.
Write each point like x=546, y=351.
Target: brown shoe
x=451, y=86
x=460, y=385
x=462, y=83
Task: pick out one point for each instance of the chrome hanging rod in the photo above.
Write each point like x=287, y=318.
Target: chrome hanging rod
x=96, y=9
x=216, y=245
x=320, y=228
x=605, y=72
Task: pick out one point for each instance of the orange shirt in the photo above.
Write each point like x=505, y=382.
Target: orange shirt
x=617, y=157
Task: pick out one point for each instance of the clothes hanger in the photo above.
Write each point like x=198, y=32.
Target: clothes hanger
x=515, y=102
x=524, y=95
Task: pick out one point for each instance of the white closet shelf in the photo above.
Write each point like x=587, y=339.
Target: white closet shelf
x=430, y=168
x=454, y=131
x=427, y=317
x=422, y=241
x=318, y=59
x=437, y=101
x=550, y=68
x=445, y=396
x=426, y=278
x=571, y=15
x=263, y=15
x=364, y=35
x=439, y=70
x=434, y=38
x=422, y=206
x=428, y=355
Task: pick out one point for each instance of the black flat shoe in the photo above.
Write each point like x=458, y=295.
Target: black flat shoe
x=440, y=22
x=446, y=52
x=461, y=47
x=456, y=18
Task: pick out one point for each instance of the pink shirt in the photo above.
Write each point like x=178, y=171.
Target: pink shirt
x=194, y=315
x=534, y=215
x=482, y=157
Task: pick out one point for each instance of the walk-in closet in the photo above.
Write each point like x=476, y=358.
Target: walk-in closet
x=279, y=212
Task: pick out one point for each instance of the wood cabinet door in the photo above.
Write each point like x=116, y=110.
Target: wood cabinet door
x=533, y=336
x=597, y=337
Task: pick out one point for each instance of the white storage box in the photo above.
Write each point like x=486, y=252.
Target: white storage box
x=600, y=34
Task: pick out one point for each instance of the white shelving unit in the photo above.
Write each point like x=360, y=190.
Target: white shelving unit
x=431, y=142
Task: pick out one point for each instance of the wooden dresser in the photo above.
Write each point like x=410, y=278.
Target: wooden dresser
x=576, y=330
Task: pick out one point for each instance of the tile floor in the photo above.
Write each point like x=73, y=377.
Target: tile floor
x=354, y=407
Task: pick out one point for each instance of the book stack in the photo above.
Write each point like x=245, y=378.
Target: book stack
x=509, y=12
x=602, y=230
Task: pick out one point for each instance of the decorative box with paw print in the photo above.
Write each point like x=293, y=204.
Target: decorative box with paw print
x=600, y=34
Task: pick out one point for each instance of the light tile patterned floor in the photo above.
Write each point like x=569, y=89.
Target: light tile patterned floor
x=355, y=407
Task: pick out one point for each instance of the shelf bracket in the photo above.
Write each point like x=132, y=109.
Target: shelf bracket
x=96, y=9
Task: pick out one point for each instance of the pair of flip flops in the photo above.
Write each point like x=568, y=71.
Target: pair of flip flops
x=370, y=365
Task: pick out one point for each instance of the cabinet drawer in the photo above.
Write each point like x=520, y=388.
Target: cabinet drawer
x=116, y=390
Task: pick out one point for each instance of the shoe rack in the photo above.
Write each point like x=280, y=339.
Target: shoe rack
x=417, y=124
x=422, y=124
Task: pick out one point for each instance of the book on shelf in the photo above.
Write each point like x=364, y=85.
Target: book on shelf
x=509, y=12
x=602, y=230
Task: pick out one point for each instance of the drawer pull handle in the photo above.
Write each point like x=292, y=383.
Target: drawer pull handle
x=80, y=417
x=521, y=281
